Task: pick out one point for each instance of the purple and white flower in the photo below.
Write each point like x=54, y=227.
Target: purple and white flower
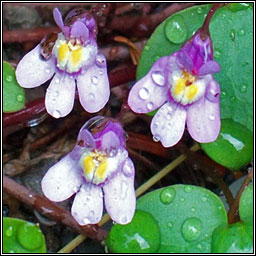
x=98, y=168
x=72, y=55
x=183, y=86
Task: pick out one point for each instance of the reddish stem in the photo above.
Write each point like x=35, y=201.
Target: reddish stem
x=50, y=209
x=232, y=213
x=204, y=30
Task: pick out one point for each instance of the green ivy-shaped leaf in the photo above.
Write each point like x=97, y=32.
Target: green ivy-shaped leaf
x=234, y=146
x=246, y=204
x=186, y=215
x=236, y=238
x=20, y=236
x=231, y=30
x=13, y=94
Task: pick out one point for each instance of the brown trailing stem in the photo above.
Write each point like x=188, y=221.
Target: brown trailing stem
x=27, y=35
x=232, y=213
x=50, y=209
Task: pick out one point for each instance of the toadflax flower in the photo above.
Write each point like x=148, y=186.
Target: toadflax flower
x=98, y=163
x=72, y=55
x=182, y=85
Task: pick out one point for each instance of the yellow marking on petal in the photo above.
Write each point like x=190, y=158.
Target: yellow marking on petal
x=76, y=57
x=192, y=91
x=63, y=52
x=180, y=86
x=101, y=170
x=89, y=165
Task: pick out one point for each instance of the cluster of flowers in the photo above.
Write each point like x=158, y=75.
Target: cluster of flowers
x=181, y=85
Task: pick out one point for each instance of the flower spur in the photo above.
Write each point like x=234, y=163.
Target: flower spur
x=98, y=163
x=183, y=87
x=72, y=55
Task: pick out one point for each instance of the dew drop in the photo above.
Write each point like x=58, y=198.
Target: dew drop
x=167, y=195
x=47, y=70
x=57, y=80
x=182, y=199
x=212, y=117
x=176, y=30
x=241, y=32
x=9, y=78
x=243, y=88
x=169, y=108
x=233, y=34
x=199, y=10
x=168, y=116
x=95, y=80
x=146, y=48
x=170, y=225
x=143, y=93
x=127, y=170
x=156, y=58
x=217, y=53
x=188, y=189
x=20, y=98
x=223, y=94
x=233, y=98
x=56, y=94
x=100, y=60
x=11, y=251
x=123, y=220
x=9, y=231
x=204, y=199
x=101, y=71
x=92, y=213
x=158, y=78
x=192, y=209
x=91, y=96
x=150, y=105
x=56, y=114
x=139, y=110
x=156, y=138
x=191, y=229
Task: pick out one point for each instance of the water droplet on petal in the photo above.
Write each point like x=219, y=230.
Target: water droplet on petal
x=20, y=98
x=176, y=30
x=139, y=110
x=100, y=60
x=212, y=117
x=57, y=80
x=91, y=96
x=123, y=220
x=150, y=105
x=146, y=48
x=156, y=138
x=9, y=78
x=95, y=80
x=191, y=229
x=168, y=116
x=156, y=124
x=127, y=170
x=188, y=189
x=56, y=94
x=47, y=70
x=9, y=231
x=158, y=78
x=86, y=221
x=56, y=114
x=243, y=88
x=167, y=195
x=92, y=213
x=101, y=71
x=143, y=93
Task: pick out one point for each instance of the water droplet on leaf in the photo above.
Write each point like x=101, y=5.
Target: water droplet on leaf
x=193, y=209
x=191, y=229
x=233, y=34
x=241, y=32
x=9, y=231
x=20, y=98
x=8, y=78
x=170, y=225
x=243, y=88
x=143, y=93
x=167, y=195
x=199, y=10
x=176, y=29
x=188, y=189
x=146, y=48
